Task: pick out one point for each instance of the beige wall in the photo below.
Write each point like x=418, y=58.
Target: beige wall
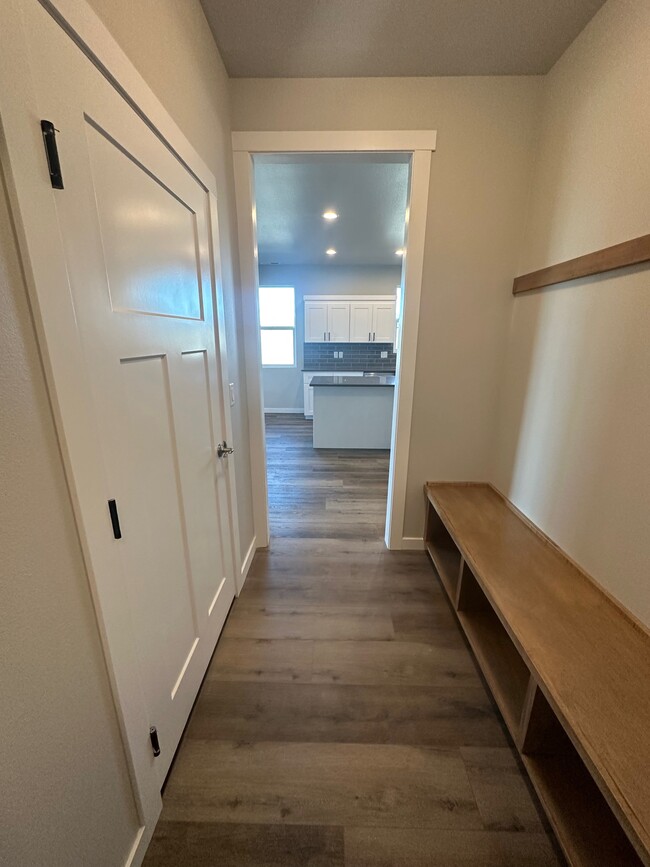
x=283, y=387
x=478, y=192
x=170, y=44
x=573, y=445
x=65, y=793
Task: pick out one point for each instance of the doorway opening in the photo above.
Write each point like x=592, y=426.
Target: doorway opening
x=331, y=232
x=415, y=147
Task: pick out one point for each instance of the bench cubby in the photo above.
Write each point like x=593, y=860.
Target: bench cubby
x=569, y=670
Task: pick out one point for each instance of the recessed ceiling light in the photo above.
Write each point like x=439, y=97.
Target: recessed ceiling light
x=400, y=252
x=331, y=251
x=330, y=215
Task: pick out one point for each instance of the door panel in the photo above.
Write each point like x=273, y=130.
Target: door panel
x=153, y=534
x=135, y=229
x=196, y=452
x=149, y=235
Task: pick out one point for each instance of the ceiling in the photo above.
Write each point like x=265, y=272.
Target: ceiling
x=369, y=193
x=334, y=38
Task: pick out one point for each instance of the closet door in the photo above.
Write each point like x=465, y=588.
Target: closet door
x=135, y=228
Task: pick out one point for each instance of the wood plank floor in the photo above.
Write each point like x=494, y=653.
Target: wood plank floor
x=342, y=722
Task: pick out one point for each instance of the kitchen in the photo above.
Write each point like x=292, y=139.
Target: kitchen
x=349, y=370
x=330, y=239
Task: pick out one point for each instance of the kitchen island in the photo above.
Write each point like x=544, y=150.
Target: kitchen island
x=353, y=412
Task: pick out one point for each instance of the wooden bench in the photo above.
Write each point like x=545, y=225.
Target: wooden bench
x=568, y=668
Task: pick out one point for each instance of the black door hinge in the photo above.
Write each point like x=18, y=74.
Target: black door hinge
x=115, y=519
x=155, y=743
x=52, y=153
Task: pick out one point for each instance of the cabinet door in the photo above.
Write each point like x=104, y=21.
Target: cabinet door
x=361, y=322
x=383, y=326
x=338, y=326
x=315, y=321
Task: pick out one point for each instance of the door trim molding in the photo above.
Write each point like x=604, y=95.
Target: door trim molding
x=420, y=144
x=33, y=210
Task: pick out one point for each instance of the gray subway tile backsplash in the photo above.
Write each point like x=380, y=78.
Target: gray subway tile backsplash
x=356, y=356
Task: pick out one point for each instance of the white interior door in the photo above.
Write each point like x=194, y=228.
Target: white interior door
x=135, y=229
x=338, y=326
x=384, y=322
x=361, y=322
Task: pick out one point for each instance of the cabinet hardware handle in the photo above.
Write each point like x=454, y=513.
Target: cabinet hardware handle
x=369, y=336
x=324, y=335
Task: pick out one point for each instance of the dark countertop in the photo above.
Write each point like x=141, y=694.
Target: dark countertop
x=381, y=379
x=323, y=372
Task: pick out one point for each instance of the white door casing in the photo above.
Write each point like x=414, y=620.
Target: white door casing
x=137, y=388
x=419, y=145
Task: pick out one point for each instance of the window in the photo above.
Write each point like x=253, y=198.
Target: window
x=278, y=326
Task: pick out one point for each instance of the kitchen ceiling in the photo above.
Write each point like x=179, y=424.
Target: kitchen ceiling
x=335, y=38
x=369, y=193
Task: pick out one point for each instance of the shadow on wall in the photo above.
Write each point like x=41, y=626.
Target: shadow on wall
x=573, y=412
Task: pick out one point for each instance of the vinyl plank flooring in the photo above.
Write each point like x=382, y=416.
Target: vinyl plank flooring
x=501, y=792
x=392, y=662
x=329, y=784
x=262, y=660
x=396, y=847
x=208, y=844
x=342, y=722
x=445, y=717
x=310, y=621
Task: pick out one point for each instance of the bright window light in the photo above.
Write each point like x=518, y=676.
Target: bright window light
x=278, y=326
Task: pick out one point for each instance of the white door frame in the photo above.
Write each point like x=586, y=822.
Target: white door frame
x=420, y=144
x=34, y=213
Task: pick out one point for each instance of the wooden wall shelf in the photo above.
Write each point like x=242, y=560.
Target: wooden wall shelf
x=609, y=259
x=569, y=670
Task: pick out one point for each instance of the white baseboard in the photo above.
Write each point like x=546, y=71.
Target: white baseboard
x=246, y=564
x=297, y=410
x=412, y=543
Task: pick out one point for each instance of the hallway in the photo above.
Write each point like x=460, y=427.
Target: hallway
x=342, y=721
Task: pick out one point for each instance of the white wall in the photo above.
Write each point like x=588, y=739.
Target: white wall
x=65, y=793
x=572, y=451
x=283, y=387
x=477, y=199
x=172, y=47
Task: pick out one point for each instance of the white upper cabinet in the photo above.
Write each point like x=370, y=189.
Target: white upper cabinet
x=383, y=322
x=372, y=321
x=361, y=321
x=315, y=321
x=327, y=321
x=350, y=319
x=338, y=322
